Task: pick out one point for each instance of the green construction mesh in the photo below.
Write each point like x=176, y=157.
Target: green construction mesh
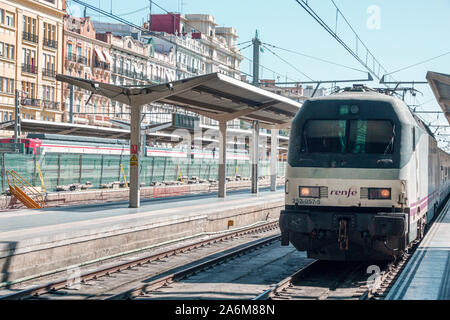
x=67, y=169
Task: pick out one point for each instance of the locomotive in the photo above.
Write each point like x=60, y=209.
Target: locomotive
x=364, y=177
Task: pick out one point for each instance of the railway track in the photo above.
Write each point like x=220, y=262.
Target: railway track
x=114, y=282
x=320, y=280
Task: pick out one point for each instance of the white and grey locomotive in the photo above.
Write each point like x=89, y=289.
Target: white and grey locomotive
x=364, y=177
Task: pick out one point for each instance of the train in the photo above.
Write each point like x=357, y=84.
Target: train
x=40, y=144
x=364, y=177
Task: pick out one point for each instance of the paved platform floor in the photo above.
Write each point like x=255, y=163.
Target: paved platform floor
x=24, y=224
x=427, y=274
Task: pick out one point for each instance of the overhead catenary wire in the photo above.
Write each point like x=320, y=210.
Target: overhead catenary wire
x=419, y=63
x=242, y=43
x=314, y=58
x=288, y=63
x=268, y=69
x=133, y=12
x=304, y=4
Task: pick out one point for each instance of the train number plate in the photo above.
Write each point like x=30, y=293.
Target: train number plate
x=308, y=202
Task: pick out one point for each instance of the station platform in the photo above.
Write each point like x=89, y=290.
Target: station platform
x=37, y=242
x=427, y=274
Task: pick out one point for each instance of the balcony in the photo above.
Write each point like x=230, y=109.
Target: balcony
x=30, y=102
x=30, y=37
x=50, y=43
x=49, y=73
x=101, y=65
x=29, y=68
x=77, y=59
x=50, y=105
x=37, y=103
x=82, y=60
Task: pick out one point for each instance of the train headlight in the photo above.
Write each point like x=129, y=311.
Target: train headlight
x=379, y=194
x=309, y=192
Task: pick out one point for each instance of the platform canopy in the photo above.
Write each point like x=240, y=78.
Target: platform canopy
x=213, y=95
x=440, y=84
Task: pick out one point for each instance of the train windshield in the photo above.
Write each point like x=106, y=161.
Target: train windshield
x=348, y=136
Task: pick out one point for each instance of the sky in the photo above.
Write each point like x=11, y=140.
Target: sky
x=399, y=33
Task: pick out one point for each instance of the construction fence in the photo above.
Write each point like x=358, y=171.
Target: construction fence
x=66, y=169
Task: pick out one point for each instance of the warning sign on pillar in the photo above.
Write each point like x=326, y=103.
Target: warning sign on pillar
x=134, y=149
x=134, y=161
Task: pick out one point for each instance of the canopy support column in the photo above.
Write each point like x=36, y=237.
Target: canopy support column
x=222, y=159
x=273, y=159
x=255, y=156
x=135, y=156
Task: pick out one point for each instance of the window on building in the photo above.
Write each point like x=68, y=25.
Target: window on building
x=69, y=51
x=9, y=50
x=28, y=89
x=128, y=65
x=2, y=16
x=29, y=57
x=29, y=25
x=49, y=62
x=9, y=19
x=49, y=31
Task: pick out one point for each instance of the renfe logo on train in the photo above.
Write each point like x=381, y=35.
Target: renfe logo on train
x=344, y=193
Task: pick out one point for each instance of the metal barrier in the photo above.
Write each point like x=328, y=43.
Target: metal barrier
x=24, y=192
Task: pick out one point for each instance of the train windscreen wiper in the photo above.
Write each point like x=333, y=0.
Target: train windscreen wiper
x=391, y=142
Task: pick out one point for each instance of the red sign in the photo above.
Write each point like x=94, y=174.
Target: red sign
x=134, y=149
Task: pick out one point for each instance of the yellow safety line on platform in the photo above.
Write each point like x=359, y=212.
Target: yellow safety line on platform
x=124, y=177
x=41, y=177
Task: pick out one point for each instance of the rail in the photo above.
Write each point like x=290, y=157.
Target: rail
x=54, y=286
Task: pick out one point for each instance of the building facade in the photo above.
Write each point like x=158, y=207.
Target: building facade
x=202, y=47
x=31, y=46
x=85, y=57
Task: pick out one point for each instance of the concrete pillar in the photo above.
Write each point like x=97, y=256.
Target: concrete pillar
x=135, y=157
x=222, y=159
x=273, y=159
x=255, y=156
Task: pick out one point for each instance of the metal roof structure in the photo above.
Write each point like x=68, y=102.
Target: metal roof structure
x=440, y=84
x=213, y=95
x=74, y=129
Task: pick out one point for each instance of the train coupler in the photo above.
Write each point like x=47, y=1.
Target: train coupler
x=343, y=234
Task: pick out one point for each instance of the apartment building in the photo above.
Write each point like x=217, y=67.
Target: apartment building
x=202, y=47
x=31, y=40
x=86, y=57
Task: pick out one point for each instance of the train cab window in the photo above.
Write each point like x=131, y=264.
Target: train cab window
x=374, y=137
x=324, y=136
x=348, y=136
